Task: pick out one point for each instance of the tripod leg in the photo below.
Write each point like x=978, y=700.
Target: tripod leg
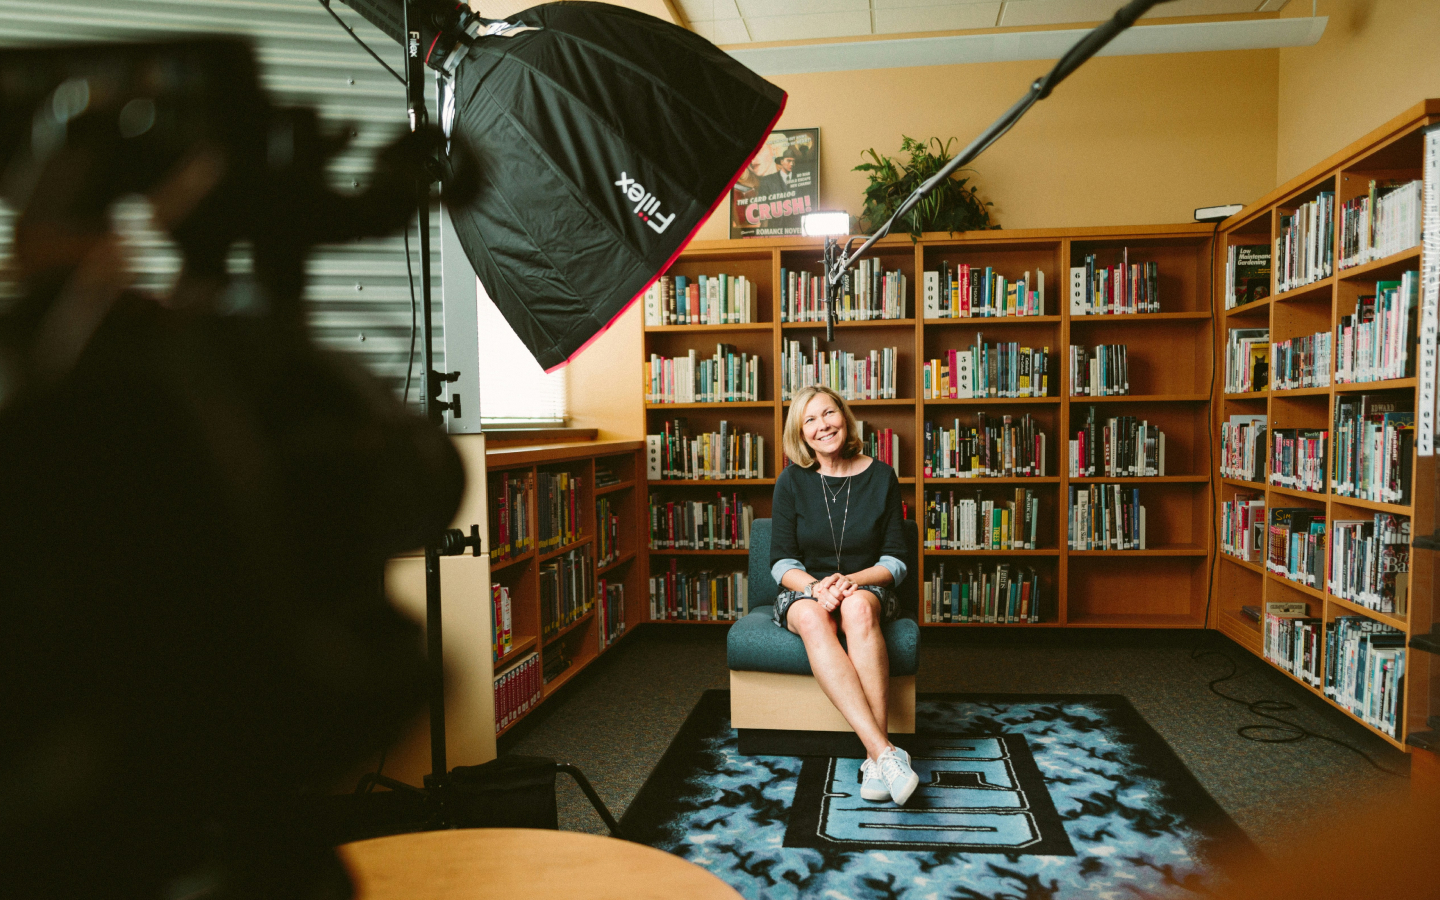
x=593, y=797
x=385, y=781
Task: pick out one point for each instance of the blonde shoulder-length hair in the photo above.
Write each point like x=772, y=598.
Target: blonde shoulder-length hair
x=794, y=435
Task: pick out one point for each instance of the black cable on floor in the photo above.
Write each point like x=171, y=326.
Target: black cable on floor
x=1289, y=731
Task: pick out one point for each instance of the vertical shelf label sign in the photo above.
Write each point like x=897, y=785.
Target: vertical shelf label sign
x=1430, y=266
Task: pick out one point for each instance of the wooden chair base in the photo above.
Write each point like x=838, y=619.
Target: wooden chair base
x=789, y=715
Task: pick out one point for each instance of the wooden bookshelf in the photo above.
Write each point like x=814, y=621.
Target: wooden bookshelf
x=580, y=639
x=1171, y=353
x=1393, y=151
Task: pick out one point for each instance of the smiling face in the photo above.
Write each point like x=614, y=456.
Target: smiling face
x=823, y=426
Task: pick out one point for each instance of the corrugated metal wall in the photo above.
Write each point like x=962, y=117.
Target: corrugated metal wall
x=359, y=295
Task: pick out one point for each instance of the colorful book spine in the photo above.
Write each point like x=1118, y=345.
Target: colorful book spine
x=721, y=524
x=854, y=376
x=702, y=596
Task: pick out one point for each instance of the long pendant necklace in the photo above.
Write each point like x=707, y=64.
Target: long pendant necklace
x=838, y=544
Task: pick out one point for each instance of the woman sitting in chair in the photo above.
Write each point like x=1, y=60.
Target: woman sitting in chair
x=835, y=552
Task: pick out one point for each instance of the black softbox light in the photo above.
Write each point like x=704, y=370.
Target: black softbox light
x=605, y=138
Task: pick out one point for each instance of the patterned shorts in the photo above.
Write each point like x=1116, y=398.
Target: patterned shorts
x=889, y=602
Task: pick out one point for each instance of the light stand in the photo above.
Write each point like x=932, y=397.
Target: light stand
x=836, y=262
x=454, y=541
x=446, y=793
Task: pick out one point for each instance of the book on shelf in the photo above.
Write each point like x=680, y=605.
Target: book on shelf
x=1125, y=288
x=702, y=300
x=1381, y=222
x=1105, y=517
x=1297, y=459
x=701, y=596
x=517, y=690
x=1247, y=364
x=1365, y=671
x=557, y=660
x=1242, y=448
x=1287, y=607
x=1247, y=274
x=854, y=376
x=1295, y=548
x=1305, y=247
x=980, y=292
x=1002, y=593
x=678, y=454
x=868, y=292
x=878, y=443
x=719, y=524
x=1301, y=362
x=1250, y=612
x=607, y=530
x=1099, y=371
x=1242, y=526
x=501, y=620
x=994, y=447
x=1293, y=642
x=558, y=508
x=977, y=523
x=610, y=601
x=1375, y=341
x=1374, y=440
x=1368, y=562
x=729, y=376
x=1117, y=447
x=512, y=501
x=605, y=477
x=988, y=370
x=567, y=589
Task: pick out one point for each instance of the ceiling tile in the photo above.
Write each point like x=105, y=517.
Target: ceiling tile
x=696, y=10
x=708, y=10
x=755, y=8
x=950, y=17
x=1059, y=12
x=1201, y=8
x=703, y=28
x=811, y=27
x=903, y=4
x=1055, y=12
x=730, y=31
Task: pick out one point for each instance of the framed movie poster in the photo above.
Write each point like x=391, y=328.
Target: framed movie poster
x=780, y=184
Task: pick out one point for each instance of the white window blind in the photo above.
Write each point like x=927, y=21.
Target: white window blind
x=514, y=390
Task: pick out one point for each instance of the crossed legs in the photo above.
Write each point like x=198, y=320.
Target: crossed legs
x=857, y=682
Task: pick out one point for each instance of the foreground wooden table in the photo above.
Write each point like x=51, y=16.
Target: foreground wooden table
x=522, y=863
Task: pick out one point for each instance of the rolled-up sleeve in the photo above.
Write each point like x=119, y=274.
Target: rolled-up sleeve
x=778, y=570
x=896, y=568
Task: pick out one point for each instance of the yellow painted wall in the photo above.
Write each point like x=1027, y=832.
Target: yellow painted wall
x=1376, y=59
x=1126, y=140
x=1134, y=140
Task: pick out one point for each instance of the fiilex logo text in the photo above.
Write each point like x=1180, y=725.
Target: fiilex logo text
x=647, y=205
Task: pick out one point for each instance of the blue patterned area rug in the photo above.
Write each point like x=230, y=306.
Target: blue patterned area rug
x=1022, y=797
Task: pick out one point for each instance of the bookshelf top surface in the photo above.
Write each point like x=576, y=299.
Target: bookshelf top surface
x=502, y=457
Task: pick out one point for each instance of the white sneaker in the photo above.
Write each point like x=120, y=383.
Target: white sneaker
x=898, y=776
x=872, y=786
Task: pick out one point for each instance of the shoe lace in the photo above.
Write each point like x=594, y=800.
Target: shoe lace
x=892, y=766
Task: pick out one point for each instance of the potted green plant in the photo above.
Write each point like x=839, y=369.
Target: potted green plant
x=951, y=206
